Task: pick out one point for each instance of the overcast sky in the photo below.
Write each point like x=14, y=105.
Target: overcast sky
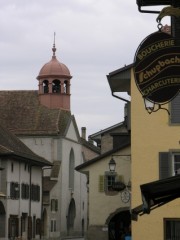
x=93, y=38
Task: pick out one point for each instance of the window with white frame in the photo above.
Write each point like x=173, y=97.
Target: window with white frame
x=54, y=205
x=172, y=229
x=176, y=163
x=107, y=181
x=53, y=225
x=169, y=164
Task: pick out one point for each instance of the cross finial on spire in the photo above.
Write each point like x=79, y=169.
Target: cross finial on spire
x=54, y=48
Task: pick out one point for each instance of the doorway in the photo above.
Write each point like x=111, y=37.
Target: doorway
x=119, y=225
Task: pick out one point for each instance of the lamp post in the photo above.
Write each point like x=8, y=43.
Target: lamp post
x=175, y=22
x=112, y=165
x=118, y=185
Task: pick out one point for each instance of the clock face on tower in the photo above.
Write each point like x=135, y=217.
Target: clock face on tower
x=125, y=196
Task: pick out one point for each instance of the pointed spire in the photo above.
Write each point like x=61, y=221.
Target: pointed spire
x=54, y=48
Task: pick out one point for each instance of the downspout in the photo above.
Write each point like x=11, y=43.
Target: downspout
x=123, y=99
x=147, y=11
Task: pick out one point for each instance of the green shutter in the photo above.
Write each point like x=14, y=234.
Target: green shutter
x=101, y=183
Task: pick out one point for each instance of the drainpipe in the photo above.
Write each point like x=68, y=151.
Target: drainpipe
x=123, y=99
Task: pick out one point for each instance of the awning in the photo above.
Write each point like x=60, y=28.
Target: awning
x=156, y=194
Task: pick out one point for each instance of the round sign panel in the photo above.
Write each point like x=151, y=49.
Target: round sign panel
x=157, y=68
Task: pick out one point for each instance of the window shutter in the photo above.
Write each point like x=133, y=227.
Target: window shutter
x=101, y=183
x=165, y=165
x=27, y=191
x=56, y=205
x=51, y=205
x=38, y=192
x=23, y=191
x=9, y=228
x=11, y=189
x=175, y=109
x=32, y=192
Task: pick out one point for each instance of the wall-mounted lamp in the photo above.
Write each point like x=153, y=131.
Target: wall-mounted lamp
x=153, y=107
x=112, y=165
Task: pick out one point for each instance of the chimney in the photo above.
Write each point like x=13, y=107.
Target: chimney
x=83, y=132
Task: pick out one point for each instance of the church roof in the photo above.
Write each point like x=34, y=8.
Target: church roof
x=10, y=145
x=54, y=68
x=22, y=113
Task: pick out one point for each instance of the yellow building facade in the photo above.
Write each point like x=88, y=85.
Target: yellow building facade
x=151, y=134
x=155, y=155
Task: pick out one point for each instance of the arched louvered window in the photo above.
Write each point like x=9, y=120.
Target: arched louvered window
x=65, y=86
x=56, y=86
x=45, y=86
x=71, y=169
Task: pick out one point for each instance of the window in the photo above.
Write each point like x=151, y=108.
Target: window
x=176, y=163
x=172, y=229
x=169, y=164
x=54, y=205
x=175, y=110
x=110, y=180
x=53, y=225
x=71, y=169
x=46, y=86
x=14, y=190
x=107, y=180
x=56, y=86
x=65, y=86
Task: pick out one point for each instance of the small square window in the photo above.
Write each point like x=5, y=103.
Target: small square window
x=172, y=229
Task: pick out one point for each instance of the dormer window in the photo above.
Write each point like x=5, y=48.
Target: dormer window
x=56, y=87
x=45, y=86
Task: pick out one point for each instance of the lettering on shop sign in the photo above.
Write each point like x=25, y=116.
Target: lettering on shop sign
x=157, y=68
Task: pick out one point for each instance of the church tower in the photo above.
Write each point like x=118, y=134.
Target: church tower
x=54, y=84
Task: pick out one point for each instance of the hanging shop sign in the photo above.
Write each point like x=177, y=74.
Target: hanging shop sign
x=157, y=68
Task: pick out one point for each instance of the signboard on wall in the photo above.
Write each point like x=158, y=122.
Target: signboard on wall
x=157, y=68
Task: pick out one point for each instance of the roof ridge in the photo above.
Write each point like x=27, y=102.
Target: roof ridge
x=5, y=148
x=57, y=122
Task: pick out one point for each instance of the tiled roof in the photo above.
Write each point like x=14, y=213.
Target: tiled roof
x=10, y=145
x=55, y=169
x=48, y=184
x=102, y=156
x=90, y=146
x=22, y=113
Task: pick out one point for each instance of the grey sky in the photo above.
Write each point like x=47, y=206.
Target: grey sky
x=93, y=38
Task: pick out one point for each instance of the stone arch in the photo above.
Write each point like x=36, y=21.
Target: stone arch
x=44, y=223
x=71, y=217
x=45, y=86
x=119, y=223
x=56, y=86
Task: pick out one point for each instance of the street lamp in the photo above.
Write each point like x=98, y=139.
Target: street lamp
x=153, y=2
x=152, y=107
x=112, y=165
x=149, y=105
x=145, y=3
